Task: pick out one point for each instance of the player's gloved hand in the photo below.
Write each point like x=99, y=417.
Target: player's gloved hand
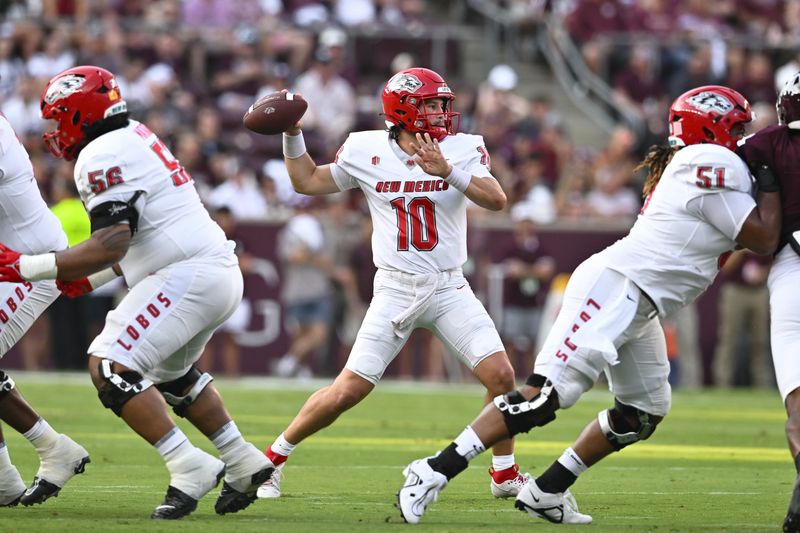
x=9, y=265
x=766, y=180
x=74, y=288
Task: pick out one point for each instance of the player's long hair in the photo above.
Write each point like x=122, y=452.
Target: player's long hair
x=101, y=127
x=657, y=158
x=394, y=131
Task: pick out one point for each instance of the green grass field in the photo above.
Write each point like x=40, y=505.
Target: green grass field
x=718, y=463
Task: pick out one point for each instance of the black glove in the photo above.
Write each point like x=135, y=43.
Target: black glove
x=766, y=180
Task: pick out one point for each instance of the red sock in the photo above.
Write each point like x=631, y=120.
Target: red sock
x=504, y=475
x=276, y=458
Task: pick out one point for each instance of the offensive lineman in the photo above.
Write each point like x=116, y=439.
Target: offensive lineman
x=148, y=225
x=417, y=200
x=778, y=147
x=27, y=224
x=698, y=206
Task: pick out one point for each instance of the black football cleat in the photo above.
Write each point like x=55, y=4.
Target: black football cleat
x=231, y=500
x=176, y=504
x=39, y=492
x=791, y=524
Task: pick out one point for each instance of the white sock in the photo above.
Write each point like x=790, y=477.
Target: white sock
x=282, y=446
x=5, y=459
x=229, y=442
x=468, y=445
x=501, y=462
x=173, y=439
x=570, y=460
x=41, y=435
x=226, y=437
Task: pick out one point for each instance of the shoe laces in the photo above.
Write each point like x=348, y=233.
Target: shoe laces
x=276, y=477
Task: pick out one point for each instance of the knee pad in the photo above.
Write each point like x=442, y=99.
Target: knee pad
x=6, y=384
x=618, y=430
x=119, y=388
x=521, y=415
x=194, y=380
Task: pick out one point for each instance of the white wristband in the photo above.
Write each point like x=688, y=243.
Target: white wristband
x=294, y=146
x=459, y=179
x=38, y=267
x=101, y=278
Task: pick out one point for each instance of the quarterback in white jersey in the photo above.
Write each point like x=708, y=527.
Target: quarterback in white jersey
x=148, y=225
x=417, y=178
x=28, y=225
x=698, y=207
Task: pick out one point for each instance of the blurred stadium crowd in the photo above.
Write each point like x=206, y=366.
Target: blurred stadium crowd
x=189, y=69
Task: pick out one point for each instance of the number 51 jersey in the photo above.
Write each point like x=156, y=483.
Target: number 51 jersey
x=173, y=223
x=419, y=221
x=688, y=224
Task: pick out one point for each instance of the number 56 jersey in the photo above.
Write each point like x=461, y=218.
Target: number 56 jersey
x=419, y=221
x=687, y=227
x=173, y=224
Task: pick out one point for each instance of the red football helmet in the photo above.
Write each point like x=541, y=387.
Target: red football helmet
x=75, y=99
x=403, y=96
x=706, y=115
x=788, y=104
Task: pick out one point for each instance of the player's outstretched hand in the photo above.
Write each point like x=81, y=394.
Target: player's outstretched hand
x=429, y=156
x=9, y=265
x=75, y=288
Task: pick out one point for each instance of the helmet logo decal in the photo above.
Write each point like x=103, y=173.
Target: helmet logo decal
x=63, y=87
x=708, y=101
x=403, y=82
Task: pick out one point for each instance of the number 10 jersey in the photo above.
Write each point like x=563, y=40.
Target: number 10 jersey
x=419, y=221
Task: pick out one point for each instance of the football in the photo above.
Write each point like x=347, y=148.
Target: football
x=275, y=113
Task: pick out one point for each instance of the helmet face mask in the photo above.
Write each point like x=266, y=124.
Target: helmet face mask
x=404, y=101
x=788, y=103
x=76, y=99
x=711, y=114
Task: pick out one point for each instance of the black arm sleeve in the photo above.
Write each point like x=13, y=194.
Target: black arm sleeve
x=111, y=213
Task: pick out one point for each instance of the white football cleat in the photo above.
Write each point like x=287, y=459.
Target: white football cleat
x=11, y=486
x=422, y=487
x=512, y=481
x=271, y=488
x=58, y=464
x=559, y=508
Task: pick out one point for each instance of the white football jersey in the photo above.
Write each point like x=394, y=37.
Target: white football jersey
x=687, y=226
x=26, y=224
x=419, y=221
x=173, y=224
